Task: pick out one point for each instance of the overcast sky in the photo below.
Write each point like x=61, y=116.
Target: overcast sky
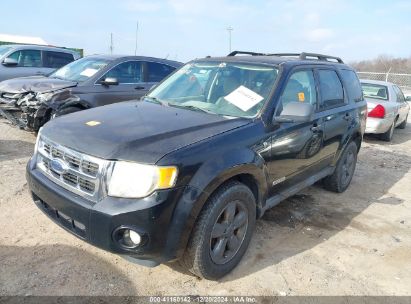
x=186, y=29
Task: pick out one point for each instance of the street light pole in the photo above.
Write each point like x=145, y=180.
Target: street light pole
x=229, y=29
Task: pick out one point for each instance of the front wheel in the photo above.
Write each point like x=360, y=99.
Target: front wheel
x=344, y=171
x=222, y=232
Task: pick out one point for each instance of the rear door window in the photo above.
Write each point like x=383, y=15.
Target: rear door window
x=332, y=93
x=400, y=95
x=27, y=58
x=352, y=85
x=56, y=60
x=158, y=71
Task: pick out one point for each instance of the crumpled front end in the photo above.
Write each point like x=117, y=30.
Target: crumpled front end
x=30, y=110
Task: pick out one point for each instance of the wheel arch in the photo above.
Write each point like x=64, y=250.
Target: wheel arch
x=193, y=201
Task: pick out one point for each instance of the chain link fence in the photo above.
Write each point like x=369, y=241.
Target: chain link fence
x=401, y=80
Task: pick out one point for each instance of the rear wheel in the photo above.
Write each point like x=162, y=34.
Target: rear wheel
x=342, y=176
x=387, y=136
x=403, y=124
x=222, y=232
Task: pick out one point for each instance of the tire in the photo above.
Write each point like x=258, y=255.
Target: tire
x=342, y=176
x=403, y=124
x=65, y=111
x=387, y=136
x=231, y=203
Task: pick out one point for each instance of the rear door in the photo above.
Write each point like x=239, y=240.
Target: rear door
x=297, y=149
x=53, y=60
x=403, y=106
x=156, y=72
x=131, y=85
x=335, y=106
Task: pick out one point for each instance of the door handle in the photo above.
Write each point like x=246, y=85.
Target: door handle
x=347, y=117
x=139, y=88
x=315, y=128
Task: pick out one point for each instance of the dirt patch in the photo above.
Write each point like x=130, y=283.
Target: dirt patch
x=315, y=243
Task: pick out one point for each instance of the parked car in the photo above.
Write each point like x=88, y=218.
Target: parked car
x=387, y=108
x=85, y=83
x=184, y=174
x=28, y=60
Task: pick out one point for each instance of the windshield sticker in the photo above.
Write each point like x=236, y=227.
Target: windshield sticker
x=88, y=72
x=243, y=98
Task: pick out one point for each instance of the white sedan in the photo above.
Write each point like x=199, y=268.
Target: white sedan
x=387, y=108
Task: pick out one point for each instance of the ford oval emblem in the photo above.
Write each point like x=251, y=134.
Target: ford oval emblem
x=58, y=166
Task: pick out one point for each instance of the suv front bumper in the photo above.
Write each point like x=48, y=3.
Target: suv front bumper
x=96, y=222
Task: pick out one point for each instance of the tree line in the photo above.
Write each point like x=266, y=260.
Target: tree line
x=384, y=64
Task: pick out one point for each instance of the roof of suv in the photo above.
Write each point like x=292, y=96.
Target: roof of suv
x=276, y=59
x=39, y=47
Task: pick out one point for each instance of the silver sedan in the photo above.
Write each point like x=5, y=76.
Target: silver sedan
x=387, y=108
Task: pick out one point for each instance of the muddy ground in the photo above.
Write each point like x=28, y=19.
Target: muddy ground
x=315, y=243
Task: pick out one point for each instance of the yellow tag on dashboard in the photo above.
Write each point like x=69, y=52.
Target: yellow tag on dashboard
x=93, y=123
x=301, y=97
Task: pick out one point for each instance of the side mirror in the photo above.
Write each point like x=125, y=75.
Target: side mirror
x=408, y=98
x=296, y=112
x=10, y=62
x=108, y=81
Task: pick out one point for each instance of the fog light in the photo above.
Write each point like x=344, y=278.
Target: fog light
x=131, y=237
x=135, y=237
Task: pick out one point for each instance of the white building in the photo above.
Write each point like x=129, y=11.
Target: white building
x=22, y=39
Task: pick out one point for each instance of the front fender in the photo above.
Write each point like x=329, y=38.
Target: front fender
x=203, y=183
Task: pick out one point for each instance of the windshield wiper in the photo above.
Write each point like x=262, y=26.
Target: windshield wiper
x=190, y=107
x=155, y=100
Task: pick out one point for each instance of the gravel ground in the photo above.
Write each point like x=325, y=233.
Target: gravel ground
x=315, y=243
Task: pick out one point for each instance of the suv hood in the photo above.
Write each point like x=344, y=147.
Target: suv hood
x=36, y=84
x=135, y=131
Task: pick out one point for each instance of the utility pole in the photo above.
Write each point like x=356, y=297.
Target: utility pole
x=229, y=29
x=111, y=43
x=135, y=51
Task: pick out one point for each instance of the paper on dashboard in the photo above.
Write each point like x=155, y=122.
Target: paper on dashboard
x=243, y=98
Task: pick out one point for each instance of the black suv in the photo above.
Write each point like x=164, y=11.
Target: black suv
x=184, y=174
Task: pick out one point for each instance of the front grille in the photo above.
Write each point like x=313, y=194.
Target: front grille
x=81, y=173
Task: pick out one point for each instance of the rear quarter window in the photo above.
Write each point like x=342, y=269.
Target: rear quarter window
x=352, y=85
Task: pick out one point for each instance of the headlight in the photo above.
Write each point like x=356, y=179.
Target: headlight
x=132, y=180
x=44, y=97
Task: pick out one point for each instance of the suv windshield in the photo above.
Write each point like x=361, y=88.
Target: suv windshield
x=229, y=89
x=374, y=91
x=4, y=50
x=80, y=70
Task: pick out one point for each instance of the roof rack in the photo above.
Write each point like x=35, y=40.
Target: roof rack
x=302, y=56
x=234, y=53
x=309, y=56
